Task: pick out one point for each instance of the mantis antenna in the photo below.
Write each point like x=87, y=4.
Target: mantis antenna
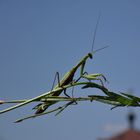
x=95, y=32
x=94, y=37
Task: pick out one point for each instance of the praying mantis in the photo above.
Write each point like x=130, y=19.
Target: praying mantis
x=66, y=80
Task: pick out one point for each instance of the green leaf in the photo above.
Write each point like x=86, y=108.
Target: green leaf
x=123, y=100
x=104, y=99
x=94, y=85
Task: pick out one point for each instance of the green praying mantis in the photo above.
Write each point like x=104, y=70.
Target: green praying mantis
x=52, y=97
x=63, y=84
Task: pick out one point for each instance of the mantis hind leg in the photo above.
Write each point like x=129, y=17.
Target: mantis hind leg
x=72, y=89
x=56, y=77
x=75, y=103
x=65, y=93
x=72, y=93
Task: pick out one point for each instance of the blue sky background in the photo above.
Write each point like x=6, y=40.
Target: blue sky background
x=40, y=37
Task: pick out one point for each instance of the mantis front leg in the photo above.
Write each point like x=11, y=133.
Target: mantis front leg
x=96, y=76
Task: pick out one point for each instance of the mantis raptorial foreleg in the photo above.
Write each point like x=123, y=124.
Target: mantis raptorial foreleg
x=96, y=76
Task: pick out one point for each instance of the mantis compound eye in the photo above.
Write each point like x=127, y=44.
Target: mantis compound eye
x=90, y=55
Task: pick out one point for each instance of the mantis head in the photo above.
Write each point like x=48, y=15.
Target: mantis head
x=90, y=55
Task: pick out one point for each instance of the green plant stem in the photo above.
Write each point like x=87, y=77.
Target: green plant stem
x=46, y=95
